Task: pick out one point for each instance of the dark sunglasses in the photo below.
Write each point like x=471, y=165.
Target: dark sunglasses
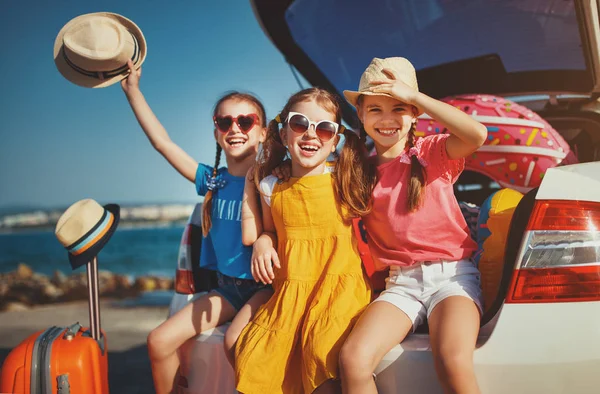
x=325, y=129
x=244, y=122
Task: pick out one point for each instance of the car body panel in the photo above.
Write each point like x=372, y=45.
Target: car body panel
x=202, y=359
x=576, y=182
x=512, y=359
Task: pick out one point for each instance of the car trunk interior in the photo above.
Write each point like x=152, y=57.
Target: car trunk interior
x=576, y=120
x=457, y=46
x=514, y=48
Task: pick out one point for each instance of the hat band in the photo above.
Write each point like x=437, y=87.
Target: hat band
x=92, y=236
x=106, y=74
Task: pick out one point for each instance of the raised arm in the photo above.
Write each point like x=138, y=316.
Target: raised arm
x=154, y=130
x=467, y=133
x=251, y=211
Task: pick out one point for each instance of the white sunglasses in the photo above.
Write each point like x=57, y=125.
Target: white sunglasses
x=324, y=129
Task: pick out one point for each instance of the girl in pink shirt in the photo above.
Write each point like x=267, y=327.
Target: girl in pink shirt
x=417, y=230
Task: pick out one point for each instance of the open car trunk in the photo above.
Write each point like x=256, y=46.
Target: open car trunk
x=509, y=47
x=543, y=53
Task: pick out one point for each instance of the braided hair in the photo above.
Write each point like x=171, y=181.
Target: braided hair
x=207, y=205
x=208, y=197
x=416, y=184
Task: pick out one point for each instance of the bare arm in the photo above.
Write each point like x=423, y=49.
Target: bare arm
x=267, y=219
x=154, y=130
x=264, y=254
x=467, y=133
x=251, y=212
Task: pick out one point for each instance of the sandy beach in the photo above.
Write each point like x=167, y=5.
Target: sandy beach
x=126, y=329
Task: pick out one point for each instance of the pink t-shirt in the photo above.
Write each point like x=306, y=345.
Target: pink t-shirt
x=437, y=229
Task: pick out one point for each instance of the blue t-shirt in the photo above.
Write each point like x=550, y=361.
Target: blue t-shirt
x=222, y=248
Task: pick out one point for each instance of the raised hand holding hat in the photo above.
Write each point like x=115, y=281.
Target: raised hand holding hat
x=393, y=77
x=92, y=50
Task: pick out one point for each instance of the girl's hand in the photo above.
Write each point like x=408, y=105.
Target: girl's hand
x=395, y=88
x=283, y=171
x=264, y=256
x=132, y=82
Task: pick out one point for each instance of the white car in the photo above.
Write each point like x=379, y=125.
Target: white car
x=542, y=333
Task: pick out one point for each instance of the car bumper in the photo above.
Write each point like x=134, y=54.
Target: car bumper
x=527, y=348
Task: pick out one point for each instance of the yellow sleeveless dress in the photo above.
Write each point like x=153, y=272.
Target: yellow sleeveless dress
x=293, y=343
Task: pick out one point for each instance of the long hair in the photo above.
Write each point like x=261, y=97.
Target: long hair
x=416, y=184
x=354, y=177
x=208, y=197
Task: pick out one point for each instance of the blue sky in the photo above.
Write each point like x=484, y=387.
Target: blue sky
x=61, y=142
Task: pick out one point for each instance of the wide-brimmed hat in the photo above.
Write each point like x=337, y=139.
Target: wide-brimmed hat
x=92, y=50
x=403, y=69
x=84, y=228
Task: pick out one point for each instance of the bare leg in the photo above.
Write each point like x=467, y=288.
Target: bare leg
x=241, y=320
x=329, y=387
x=208, y=311
x=453, y=329
x=378, y=330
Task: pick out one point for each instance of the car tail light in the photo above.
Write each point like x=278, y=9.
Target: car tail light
x=184, y=277
x=184, y=282
x=560, y=255
x=188, y=255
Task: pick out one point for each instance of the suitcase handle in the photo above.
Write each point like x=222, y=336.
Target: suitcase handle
x=62, y=382
x=72, y=330
x=94, y=308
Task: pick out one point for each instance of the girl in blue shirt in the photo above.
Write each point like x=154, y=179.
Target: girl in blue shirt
x=240, y=126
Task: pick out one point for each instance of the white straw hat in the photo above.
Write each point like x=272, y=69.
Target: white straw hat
x=92, y=50
x=84, y=228
x=403, y=69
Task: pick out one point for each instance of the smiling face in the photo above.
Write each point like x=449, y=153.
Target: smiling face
x=387, y=121
x=238, y=144
x=308, y=152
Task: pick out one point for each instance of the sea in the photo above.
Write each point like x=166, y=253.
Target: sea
x=131, y=251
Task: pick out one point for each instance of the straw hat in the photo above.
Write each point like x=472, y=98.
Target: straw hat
x=92, y=50
x=84, y=228
x=399, y=65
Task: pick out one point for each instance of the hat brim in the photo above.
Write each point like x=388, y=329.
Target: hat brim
x=88, y=255
x=90, y=82
x=352, y=97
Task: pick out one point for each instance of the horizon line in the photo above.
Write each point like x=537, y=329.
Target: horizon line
x=35, y=206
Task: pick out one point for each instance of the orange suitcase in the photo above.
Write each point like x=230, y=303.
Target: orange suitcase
x=61, y=360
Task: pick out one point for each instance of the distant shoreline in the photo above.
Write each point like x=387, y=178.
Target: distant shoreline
x=143, y=216
x=24, y=287
x=122, y=226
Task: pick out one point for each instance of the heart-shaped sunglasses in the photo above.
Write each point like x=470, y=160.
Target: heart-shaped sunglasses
x=324, y=129
x=244, y=122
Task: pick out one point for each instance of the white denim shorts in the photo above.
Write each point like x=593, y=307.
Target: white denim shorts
x=417, y=289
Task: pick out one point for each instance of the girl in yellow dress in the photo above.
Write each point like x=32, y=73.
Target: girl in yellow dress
x=292, y=344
